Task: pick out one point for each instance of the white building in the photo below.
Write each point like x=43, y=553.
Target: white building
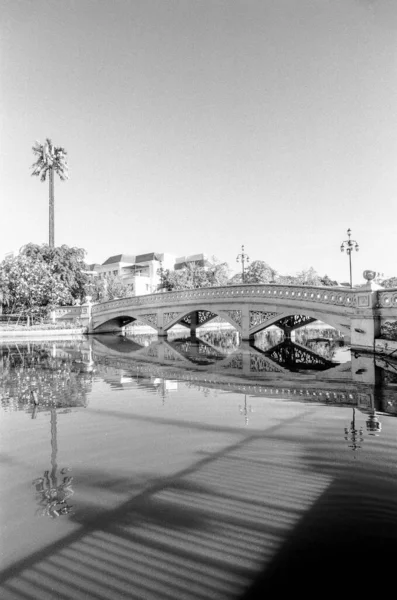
x=140, y=271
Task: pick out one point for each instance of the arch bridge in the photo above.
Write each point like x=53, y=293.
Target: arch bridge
x=358, y=313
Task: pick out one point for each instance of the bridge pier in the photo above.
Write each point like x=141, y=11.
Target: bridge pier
x=245, y=324
x=364, y=330
x=161, y=332
x=193, y=323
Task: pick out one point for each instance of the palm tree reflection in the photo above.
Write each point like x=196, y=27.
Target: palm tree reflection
x=53, y=496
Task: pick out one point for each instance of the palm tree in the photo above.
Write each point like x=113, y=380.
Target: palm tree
x=50, y=159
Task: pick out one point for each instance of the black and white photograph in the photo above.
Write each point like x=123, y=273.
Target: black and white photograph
x=198, y=299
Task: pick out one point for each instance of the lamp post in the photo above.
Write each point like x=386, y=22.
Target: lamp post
x=349, y=245
x=243, y=258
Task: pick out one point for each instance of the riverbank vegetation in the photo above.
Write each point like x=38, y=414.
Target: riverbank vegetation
x=40, y=278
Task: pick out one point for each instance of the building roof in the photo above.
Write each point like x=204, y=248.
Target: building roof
x=140, y=258
x=200, y=260
x=118, y=258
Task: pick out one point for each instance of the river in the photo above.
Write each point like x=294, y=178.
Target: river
x=193, y=468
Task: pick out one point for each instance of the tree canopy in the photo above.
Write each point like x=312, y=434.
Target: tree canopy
x=30, y=286
x=66, y=263
x=260, y=272
x=40, y=278
x=194, y=276
x=109, y=287
x=391, y=282
x=49, y=158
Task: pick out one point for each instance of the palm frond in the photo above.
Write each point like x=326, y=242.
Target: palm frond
x=49, y=157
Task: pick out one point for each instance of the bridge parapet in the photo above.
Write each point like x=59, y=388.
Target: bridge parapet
x=72, y=313
x=387, y=298
x=271, y=292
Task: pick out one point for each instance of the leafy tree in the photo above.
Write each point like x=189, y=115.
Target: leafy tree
x=66, y=264
x=195, y=276
x=49, y=160
x=31, y=287
x=109, y=288
x=327, y=281
x=260, y=272
x=236, y=279
x=305, y=277
x=389, y=283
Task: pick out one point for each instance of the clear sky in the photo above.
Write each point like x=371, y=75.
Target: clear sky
x=198, y=125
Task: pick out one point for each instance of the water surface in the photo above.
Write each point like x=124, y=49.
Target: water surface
x=194, y=468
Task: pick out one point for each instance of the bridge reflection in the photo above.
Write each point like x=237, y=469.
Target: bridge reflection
x=286, y=371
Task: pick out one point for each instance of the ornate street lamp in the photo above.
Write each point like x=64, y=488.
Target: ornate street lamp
x=349, y=245
x=243, y=258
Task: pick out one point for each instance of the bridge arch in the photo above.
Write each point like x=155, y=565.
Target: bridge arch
x=187, y=311
x=338, y=322
x=114, y=324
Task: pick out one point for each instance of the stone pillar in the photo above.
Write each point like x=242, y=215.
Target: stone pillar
x=245, y=323
x=88, y=306
x=161, y=332
x=365, y=324
x=364, y=329
x=246, y=359
x=193, y=323
x=364, y=369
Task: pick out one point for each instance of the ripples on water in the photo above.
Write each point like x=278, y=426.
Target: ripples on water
x=195, y=468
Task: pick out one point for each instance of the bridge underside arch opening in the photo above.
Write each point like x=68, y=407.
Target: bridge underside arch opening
x=302, y=334
x=199, y=321
x=114, y=325
x=289, y=323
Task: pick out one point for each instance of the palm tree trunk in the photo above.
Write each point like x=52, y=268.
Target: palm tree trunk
x=54, y=448
x=51, y=208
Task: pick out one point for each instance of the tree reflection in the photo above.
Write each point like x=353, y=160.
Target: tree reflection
x=34, y=378
x=224, y=341
x=51, y=495
x=41, y=378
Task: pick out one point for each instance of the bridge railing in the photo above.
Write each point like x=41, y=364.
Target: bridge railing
x=387, y=298
x=69, y=313
x=325, y=295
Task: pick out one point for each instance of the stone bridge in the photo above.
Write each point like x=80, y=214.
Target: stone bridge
x=357, y=313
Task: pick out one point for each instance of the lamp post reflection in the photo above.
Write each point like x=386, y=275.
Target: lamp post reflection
x=163, y=387
x=374, y=426
x=52, y=496
x=244, y=410
x=354, y=435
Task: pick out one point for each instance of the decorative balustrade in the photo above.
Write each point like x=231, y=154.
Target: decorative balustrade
x=387, y=298
x=329, y=296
